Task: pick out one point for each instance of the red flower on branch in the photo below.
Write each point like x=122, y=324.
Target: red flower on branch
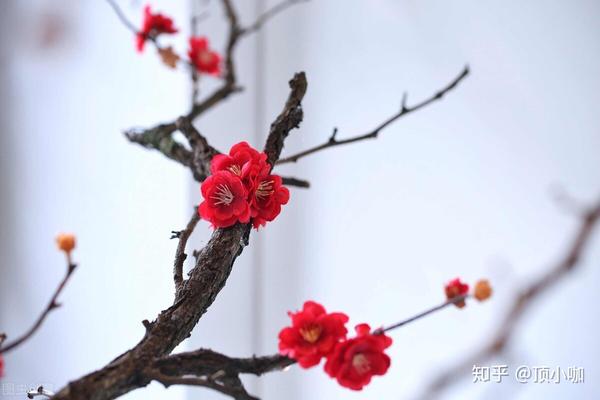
x=355, y=361
x=152, y=26
x=456, y=288
x=265, y=193
x=225, y=200
x=313, y=334
x=242, y=160
x=1, y=366
x=266, y=198
x=204, y=59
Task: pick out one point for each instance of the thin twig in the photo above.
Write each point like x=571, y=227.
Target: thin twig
x=180, y=255
x=122, y=17
x=52, y=304
x=211, y=363
x=420, y=315
x=404, y=110
x=168, y=380
x=194, y=22
x=291, y=181
x=270, y=13
x=522, y=302
x=160, y=136
x=151, y=37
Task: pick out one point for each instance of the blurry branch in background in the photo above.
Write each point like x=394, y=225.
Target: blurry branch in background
x=270, y=13
x=152, y=38
x=121, y=15
x=404, y=110
x=526, y=297
x=52, y=305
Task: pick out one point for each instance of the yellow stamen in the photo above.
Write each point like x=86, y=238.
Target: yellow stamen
x=235, y=169
x=223, y=195
x=264, y=189
x=361, y=363
x=311, y=334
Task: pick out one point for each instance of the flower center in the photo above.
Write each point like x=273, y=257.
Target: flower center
x=204, y=57
x=222, y=195
x=311, y=333
x=264, y=189
x=235, y=169
x=361, y=363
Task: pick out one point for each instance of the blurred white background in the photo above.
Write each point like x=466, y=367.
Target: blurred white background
x=461, y=188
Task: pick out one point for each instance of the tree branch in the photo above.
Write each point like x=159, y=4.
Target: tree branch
x=207, y=366
x=422, y=314
x=404, y=110
x=526, y=297
x=122, y=17
x=206, y=362
x=291, y=181
x=289, y=118
x=180, y=255
x=160, y=137
x=167, y=380
x=202, y=152
x=52, y=305
x=270, y=13
x=196, y=294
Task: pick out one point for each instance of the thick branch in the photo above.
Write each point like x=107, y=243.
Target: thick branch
x=217, y=370
x=160, y=138
x=201, y=153
x=206, y=362
x=208, y=277
x=404, y=110
x=522, y=302
x=172, y=325
x=289, y=118
x=52, y=305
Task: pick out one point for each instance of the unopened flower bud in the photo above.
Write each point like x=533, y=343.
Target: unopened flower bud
x=455, y=288
x=65, y=242
x=482, y=290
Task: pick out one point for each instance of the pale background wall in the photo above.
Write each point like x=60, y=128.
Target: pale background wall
x=462, y=188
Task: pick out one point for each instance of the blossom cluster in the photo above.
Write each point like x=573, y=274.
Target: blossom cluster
x=315, y=334
x=458, y=291
x=201, y=57
x=241, y=187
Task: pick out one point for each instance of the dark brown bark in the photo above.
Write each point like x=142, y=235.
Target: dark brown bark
x=207, y=278
x=172, y=326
